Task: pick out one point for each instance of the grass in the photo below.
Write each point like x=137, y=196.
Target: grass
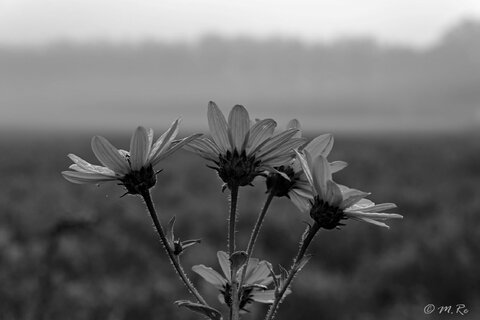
x=81, y=252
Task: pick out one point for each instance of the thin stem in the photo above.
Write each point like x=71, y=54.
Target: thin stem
x=293, y=270
x=173, y=258
x=234, y=307
x=254, y=235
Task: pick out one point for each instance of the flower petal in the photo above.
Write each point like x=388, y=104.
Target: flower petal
x=224, y=262
x=321, y=174
x=164, y=141
x=264, y=296
x=374, y=208
x=239, y=123
x=218, y=127
x=210, y=276
x=84, y=177
x=109, y=156
x=336, y=166
x=302, y=203
x=351, y=197
x=139, y=148
x=259, y=275
x=284, y=150
x=205, y=148
x=178, y=144
x=305, y=166
x=377, y=223
x=87, y=167
x=260, y=132
x=274, y=142
x=320, y=146
x=333, y=194
x=295, y=124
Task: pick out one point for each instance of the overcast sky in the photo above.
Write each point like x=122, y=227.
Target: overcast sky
x=417, y=22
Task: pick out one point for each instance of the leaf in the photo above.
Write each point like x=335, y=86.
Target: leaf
x=210, y=312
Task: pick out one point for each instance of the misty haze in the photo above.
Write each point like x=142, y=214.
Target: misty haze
x=347, y=85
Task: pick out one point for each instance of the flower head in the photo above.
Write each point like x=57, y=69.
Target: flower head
x=241, y=150
x=257, y=278
x=134, y=169
x=331, y=203
x=296, y=187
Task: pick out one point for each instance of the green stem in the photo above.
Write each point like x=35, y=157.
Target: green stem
x=234, y=307
x=293, y=270
x=173, y=258
x=254, y=235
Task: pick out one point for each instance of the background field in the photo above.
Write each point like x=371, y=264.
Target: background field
x=108, y=263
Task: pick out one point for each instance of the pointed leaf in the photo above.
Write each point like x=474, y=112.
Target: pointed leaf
x=210, y=312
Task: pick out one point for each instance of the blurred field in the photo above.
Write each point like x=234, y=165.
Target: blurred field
x=114, y=268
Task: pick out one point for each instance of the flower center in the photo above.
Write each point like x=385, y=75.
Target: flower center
x=327, y=216
x=278, y=185
x=237, y=169
x=139, y=181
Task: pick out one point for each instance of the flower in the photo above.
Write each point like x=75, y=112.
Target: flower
x=241, y=150
x=257, y=278
x=332, y=203
x=296, y=187
x=133, y=169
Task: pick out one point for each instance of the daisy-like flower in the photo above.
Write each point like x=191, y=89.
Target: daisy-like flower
x=297, y=187
x=134, y=169
x=240, y=149
x=257, y=278
x=332, y=203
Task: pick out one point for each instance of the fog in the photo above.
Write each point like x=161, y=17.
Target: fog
x=349, y=84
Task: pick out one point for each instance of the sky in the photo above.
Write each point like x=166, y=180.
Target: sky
x=414, y=22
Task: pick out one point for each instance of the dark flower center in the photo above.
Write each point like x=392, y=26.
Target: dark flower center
x=237, y=169
x=244, y=295
x=139, y=181
x=327, y=216
x=278, y=185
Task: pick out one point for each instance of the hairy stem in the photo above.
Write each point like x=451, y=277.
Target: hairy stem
x=293, y=270
x=254, y=235
x=173, y=258
x=234, y=307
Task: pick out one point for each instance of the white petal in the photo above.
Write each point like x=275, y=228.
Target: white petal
x=377, y=223
x=179, y=144
x=265, y=296
x=164, y=141
x=84, y=177
x=373, y=215
x=224, y=262
x=333, y=194
x=351, y=197
x=84, y=166
x=302, y=203
x=139, y=148
x=295, y=124
x=218, y=127
x=108, y=155
x=286, y=149
x=205, y=148
x=377, y=208
x=336, y=166
x=305, y=167
x=259, y=275
x=210, y=275
x=260, y=132
x=320, y=146
x=321, y=174
x=239, y=123
x=275, y=142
